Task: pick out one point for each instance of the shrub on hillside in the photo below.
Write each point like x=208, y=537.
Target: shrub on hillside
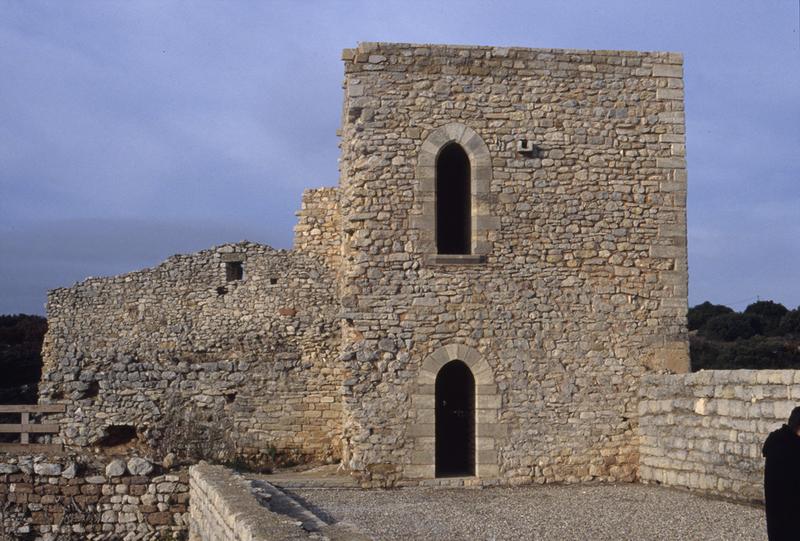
x=700, y=314
x=20, y=357
x=732, y=326
x=770, y=313
x=790, y=323
x=756, y=353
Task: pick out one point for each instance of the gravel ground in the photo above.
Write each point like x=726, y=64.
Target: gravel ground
x=596, y=512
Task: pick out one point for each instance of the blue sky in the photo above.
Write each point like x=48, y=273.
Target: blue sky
x=131, y=131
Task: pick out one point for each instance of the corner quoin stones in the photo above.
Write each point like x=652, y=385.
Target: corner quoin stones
x=575, y=285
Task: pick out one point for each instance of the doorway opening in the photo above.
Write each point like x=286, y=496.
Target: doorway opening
x=455, y=421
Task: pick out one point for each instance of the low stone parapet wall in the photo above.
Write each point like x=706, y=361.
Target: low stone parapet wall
x=705, y=430
x=67, y=498
x=224, y=507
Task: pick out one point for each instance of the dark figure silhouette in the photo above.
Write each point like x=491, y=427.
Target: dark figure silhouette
x=782, y=480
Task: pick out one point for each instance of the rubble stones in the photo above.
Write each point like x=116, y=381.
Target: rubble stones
x=166, y=344
x=169, y=461
x=51, y=505
x=318, y=226
x=115, y=468
x=25, y=465
x=139, y=466
x=70, y=471
x=44, y=468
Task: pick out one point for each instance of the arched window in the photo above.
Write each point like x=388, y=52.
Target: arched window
x=453, y=201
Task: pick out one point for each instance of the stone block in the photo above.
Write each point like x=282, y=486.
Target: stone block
x=159, y=519
x=486, y=456
x=666, y=251
x=667, y=70
x=426, y=416
x=45, y=468
x=486, y=416
x=115, y=468
x=669, y=94
x=419, y=471
x=484, y=443
x=487, y=401
x=422, y=457
x=487, y=470
x=421, y=429
x=139, y=466
x=6, y=468
x=671, y=163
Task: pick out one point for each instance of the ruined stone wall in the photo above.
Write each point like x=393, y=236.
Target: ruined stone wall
x=705, y=430
x=67, y=499
x=190, y=359
x=577, y=280
x=318, y=226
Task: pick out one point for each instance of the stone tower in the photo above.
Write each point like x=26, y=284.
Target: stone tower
x=513, y=257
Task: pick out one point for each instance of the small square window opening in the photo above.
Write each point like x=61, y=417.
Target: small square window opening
x=234, y=271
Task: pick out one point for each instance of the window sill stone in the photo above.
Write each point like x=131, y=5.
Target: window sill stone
x=456, y=259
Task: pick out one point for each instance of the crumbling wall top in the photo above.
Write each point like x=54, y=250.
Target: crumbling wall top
x=318, y=222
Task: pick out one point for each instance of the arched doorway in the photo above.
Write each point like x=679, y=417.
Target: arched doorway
x=453, y=201
x=455, y=420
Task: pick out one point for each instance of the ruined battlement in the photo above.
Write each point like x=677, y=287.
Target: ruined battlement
x=242, y=333
x=318, y=226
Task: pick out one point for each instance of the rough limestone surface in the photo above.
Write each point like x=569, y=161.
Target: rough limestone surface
x=318, y=226
x=115, y=468
x=574, y=287
x=58, y=499
x=139, y=466
x=44, y=468
x=577, y=281
x=705, y=430
x=223, y=507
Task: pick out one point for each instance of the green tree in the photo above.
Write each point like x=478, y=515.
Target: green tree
x=700, y=314
x=732, y=326
x=20, y=357
x=770, y=313
x=790, y=323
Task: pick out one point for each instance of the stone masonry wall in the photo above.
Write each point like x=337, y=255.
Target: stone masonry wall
x=317, y=232
x=66, y=499
x=577, y=281
x=705, y=430
x=247, y=363
x=224, y=507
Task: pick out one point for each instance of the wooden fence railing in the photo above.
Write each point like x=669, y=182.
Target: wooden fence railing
x=25, y=428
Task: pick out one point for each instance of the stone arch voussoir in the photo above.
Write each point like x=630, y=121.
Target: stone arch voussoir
x=487, y=412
